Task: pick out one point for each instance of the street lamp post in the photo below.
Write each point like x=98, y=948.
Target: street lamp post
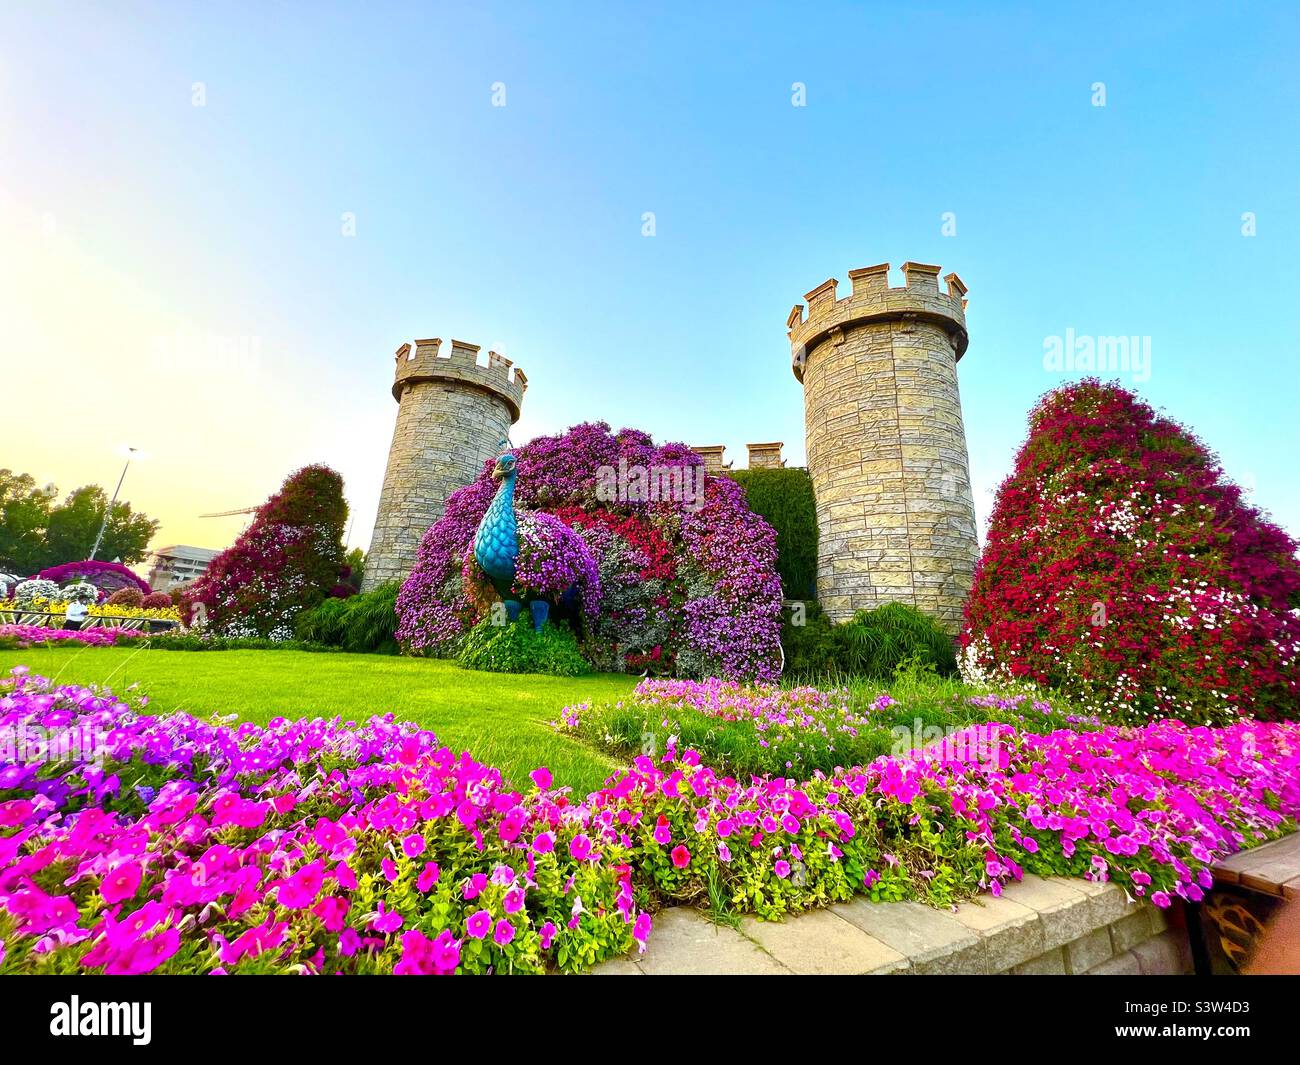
x=130, y=454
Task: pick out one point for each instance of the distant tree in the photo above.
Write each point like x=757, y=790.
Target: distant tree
x=24, y=515
x=73, y=524
x=37, y=532
x=355, y=564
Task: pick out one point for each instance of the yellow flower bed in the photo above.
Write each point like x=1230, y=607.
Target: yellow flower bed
x=116, y=614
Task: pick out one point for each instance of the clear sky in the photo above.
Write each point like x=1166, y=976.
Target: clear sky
x=174, y=179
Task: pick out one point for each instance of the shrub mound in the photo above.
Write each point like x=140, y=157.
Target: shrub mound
x=359, y=623
x=516, y=648
x=311, y=846
x=784, y=499
x=872, y=643
x=1122, y=567
x=686, y=584
x=107, y=577
x=285, y=562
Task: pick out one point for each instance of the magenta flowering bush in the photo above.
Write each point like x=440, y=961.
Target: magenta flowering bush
x=133, y=844
x=106, y=577
x=1148, y=808
x=285, y=562
x=553, y=559
x=756, y=729
x=674, y=581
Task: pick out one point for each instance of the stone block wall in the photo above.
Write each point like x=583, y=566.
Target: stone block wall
x=452, y=416
x=1039, y=926
x=886, y=442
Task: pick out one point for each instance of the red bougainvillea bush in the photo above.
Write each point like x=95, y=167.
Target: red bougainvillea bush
x=1124, y=568
x=135, y=844
x=684, y=582
x=287, y=560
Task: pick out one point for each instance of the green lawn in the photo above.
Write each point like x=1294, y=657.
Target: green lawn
x=500, y=719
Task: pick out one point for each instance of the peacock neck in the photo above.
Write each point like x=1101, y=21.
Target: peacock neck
x=504, y=503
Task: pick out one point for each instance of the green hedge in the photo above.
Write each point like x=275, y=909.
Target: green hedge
x=784, y=498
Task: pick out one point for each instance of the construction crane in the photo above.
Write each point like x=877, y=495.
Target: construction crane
x=228, y=513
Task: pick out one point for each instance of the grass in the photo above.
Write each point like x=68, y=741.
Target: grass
x=501, y=719
x=846, y=730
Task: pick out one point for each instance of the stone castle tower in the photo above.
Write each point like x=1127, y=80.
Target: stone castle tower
x=886, y=444
x=452, y=415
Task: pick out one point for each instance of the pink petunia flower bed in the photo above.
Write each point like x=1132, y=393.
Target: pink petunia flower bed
x=133, y=844
x=29, y=635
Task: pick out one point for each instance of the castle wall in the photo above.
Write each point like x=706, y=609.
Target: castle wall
x=452, y=416
x=886, y=444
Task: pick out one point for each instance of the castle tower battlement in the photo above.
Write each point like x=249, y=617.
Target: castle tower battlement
x=453, y=412
x=886, y=443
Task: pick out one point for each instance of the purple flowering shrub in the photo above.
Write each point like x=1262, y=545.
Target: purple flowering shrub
x=670, y=582
x=107, y=577
x=554, y=558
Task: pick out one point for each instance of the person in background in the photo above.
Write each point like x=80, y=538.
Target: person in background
x=74, y=615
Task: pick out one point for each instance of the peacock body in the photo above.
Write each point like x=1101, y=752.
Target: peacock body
x=496, y=543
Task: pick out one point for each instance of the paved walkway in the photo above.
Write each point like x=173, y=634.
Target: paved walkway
x=1038, y=926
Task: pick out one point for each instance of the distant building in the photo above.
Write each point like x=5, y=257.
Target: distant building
x=178, y=564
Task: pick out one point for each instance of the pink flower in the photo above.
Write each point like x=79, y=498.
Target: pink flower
x=503, y=933
x=514, y=900
x=681, y=857
x=547, y=931
x=580, y=847
x=413, y=845
x=782, y=869
x=512, y=824
x=386, y=920
x=541, y=777
x=428, y=876
x=478, y=924
x=121, y=883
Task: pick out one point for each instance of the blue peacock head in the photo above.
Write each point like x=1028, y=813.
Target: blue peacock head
x=505, y=467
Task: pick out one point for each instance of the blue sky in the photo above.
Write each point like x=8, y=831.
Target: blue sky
x=183, y=268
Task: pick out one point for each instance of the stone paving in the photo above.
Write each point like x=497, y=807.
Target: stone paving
x=1039, y=926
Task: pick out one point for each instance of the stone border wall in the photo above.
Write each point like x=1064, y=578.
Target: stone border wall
x=1038, y=927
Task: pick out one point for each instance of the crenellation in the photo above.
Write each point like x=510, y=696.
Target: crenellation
x=870, y=279
x=922, y=278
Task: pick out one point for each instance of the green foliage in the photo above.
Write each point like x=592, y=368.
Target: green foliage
x=784, y=499
x=516, y=648
x=360, y=623
x=808, y=639
x=37, y=532
x=873, y=643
